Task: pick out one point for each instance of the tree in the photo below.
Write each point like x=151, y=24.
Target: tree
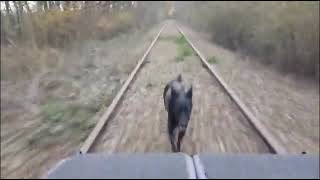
x=106, y=5
x=45, y=5
x=7, y=7
x=86, y=4
x=57, y=4
x=32, y=33
x=39, y=5
x=9, y=13
x=27, y=7
x=74, y=5
x=51, y=5
x=66, y=5
x=18, y=16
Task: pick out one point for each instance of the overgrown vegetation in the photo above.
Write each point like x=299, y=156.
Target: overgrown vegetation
x=284, y=34
x=213, y=60
x=31, y=30
x=61, y=23
x=61, y=118
x=184, y=48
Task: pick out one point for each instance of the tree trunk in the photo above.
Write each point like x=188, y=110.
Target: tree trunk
x=51, y=5
x=105, y=5
x=18, y=16
x=9, y=13
x=57, y=4
x=66, y=5
x=34, y=43
x=45, y=5
x=40, y=5
x=7, y=7
x=27, y=7
x=86, y=4
x=74, y=5
x=20, y=9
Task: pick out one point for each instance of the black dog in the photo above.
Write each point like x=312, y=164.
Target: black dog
x=178, y=103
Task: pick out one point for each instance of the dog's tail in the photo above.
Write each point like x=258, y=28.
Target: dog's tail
x=164, y=96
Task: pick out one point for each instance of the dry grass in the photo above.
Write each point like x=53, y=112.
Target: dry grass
x=287, y=105
x=60, y=29
x=285, y=34
x=46, y=116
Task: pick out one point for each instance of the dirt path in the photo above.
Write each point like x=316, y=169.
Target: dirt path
x=140, y=122
x=288, y=106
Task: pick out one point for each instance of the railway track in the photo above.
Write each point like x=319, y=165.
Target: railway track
x=137, y=122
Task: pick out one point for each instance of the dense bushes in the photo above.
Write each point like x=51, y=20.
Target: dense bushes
x=58, y=28
x=55, y=28
x=284, y=34
x=41, y=34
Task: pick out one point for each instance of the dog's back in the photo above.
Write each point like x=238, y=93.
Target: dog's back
x=178, y=85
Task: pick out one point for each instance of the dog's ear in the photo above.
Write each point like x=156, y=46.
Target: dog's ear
x=189, y=93
x=179, y=78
